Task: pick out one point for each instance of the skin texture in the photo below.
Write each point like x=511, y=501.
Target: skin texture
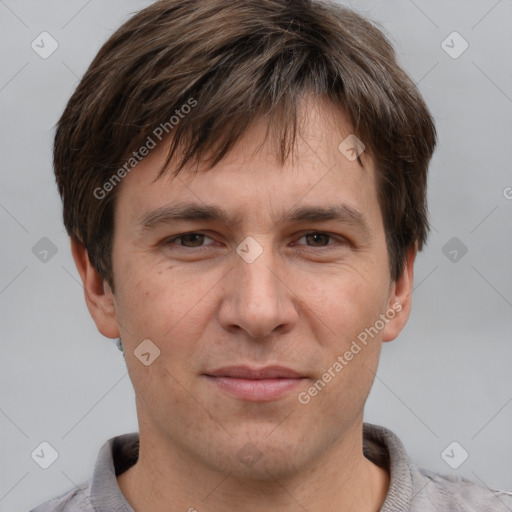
x=300, y=304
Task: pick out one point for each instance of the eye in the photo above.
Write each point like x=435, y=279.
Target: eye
x=196, y=240
x=190, y=240
x=319, y=239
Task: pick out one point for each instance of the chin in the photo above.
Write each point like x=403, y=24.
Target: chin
x=263, y=459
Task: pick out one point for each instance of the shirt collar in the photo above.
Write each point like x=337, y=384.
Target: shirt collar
x=385, y=449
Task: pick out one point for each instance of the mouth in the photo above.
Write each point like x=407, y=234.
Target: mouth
x=255, y=384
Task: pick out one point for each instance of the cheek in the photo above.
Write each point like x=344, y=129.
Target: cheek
x=352, y=302
x=354, y=343
x=150, y=293
x=169, y=307
x=357, y=377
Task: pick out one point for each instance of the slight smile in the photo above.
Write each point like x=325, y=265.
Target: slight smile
x=256, y=385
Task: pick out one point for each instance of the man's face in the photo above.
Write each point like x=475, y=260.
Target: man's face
x=297, y=296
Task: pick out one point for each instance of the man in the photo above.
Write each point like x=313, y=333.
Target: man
x=244, y=185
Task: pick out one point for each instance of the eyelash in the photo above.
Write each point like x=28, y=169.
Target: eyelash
x=170, y=241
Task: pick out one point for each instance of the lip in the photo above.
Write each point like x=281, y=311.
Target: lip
x=245, y=372
x=255, y=384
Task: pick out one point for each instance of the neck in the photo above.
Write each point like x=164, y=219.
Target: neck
x=167, y=479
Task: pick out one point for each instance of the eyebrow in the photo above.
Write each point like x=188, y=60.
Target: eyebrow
x=198, y=212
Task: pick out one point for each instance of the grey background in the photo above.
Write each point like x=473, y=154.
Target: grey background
x=447, y=378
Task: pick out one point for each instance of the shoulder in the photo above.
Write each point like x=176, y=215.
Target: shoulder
x=102, y=492
x=75, y=500
x=80, y=500
x=416, y=489
x=435, y=491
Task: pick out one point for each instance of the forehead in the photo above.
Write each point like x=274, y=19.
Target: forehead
x=250, y=179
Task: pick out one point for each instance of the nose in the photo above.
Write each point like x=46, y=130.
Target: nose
x=258, y=297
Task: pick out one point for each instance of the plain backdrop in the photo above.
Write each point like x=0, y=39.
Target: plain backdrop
x=446, y=378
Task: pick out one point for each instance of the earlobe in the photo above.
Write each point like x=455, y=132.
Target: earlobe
x=98, y=295
x=400, y=299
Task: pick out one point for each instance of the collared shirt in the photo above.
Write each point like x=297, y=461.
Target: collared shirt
x=411, y=488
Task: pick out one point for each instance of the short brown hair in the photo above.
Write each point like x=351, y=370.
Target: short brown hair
x=240, y=62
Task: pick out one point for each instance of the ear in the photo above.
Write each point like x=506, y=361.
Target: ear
x=400, y=298
x=98, y=295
